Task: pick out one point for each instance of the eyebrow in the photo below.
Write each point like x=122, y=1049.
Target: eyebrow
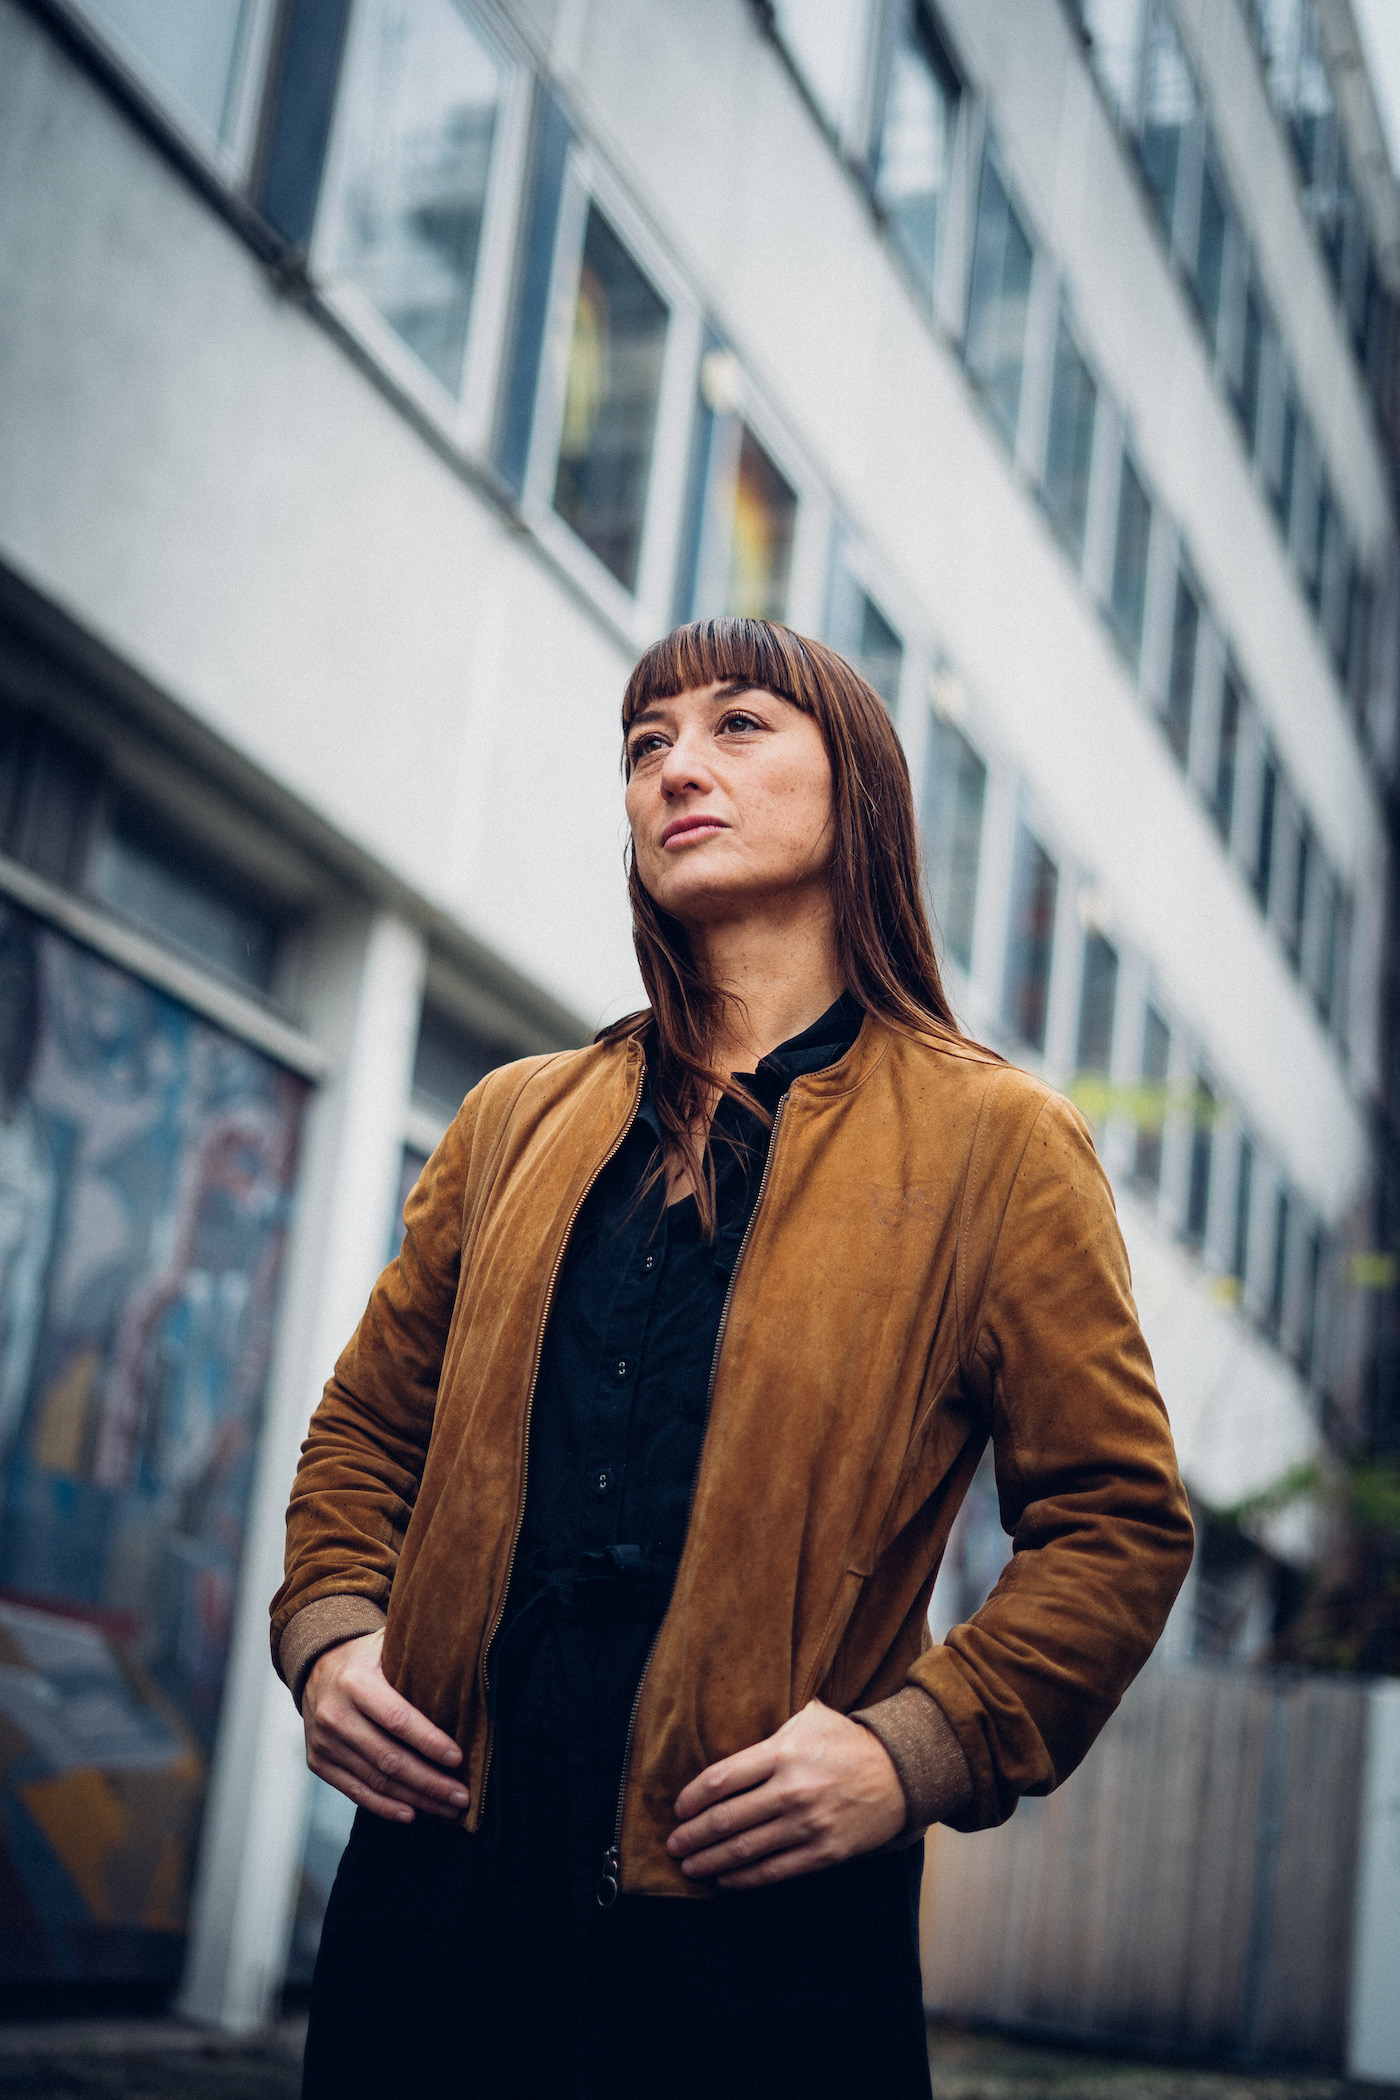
x=725, y=690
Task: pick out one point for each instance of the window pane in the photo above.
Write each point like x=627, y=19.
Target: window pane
x=1360, y=617
x=1264, y=849
x=1244, y=1190
x=1096, y=1000
x=955, y=789
x=916, y=142
x=1029, y=950
x=880, y=653
x=1070, y=444
x=1001, y=283
x=1250, y=355
x=610, y=402
x=1281, y=492
x=420, y=112
x=190, y=52
x=1223, y=796
x=1278, y=1286
x=1129, y=597
x=1169, y=106
x=159, y=888
x=449, y=1060
x=1181, y=676
x=1308, y=1326
x=760, y=548
x=1210, y=253
x=1152, y=1111
x=1198, y=1187
x=1298, y=900
x=1324, y=962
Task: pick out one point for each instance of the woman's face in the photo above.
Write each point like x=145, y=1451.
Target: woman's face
x=729, y=799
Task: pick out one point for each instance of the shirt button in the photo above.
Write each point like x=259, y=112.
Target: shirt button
x=621, y=1367
x=650, y=1262
x=602, y=1483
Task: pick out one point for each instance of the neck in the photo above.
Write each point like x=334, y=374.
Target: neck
x=780, y=972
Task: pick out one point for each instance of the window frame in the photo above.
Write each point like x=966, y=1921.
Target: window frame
x=643, y=612
x=467, y=417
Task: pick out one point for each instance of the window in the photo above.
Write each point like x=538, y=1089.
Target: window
x=1198, y=1183
x=1035, y=886
x=1181, y=673
x=1278, y=1283
x=416, y=131
x=1244, y=1195
x=955, y=790
x=449, y=1061
x=161, y=888
x=1070, y=443
x=1152, y=1106
x=1251, y=349
x=1360, y=621
x=1209, y=277
x=916, y=141
x=1097, y=993
x=1324, y=957
x=1312, y=1293
x=879, y=652
x=1264, y=846
x=1222, y=801
x=1282, y=480
x=617, y=349
x=1169, y=109
x=1298, y=898
x=1128, y=598
x=749, y=518
x=1334, y=580
x=193, y=57
x=1001, y=285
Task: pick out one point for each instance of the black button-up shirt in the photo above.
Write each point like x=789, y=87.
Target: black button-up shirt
x=615, y=1435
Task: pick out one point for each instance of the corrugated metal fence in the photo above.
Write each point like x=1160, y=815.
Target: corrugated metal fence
x=1191, y=1887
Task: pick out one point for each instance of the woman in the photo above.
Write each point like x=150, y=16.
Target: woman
x=610, y=1550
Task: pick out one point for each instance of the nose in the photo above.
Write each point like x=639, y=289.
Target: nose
x=685, y=769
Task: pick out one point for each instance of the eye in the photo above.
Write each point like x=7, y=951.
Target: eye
x=644, y=747
x=739, y=718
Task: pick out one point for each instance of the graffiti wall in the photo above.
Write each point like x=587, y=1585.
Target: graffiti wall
x=147, y=1162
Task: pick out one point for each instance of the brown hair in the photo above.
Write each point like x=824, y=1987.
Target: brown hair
x=884, y=942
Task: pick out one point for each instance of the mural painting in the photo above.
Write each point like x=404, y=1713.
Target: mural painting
x=147, y=1162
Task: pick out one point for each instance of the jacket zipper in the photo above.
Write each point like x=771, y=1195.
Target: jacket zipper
x=609, y=1881
x=584, y=1194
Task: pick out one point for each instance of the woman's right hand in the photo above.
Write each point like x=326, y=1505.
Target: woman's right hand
x=363, y=1738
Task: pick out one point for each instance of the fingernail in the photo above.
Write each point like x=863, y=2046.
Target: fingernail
x=459, y=1797
x=452, y=1756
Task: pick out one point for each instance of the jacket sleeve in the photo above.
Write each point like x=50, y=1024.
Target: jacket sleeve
x=362, y=1461
x=1087, y=1481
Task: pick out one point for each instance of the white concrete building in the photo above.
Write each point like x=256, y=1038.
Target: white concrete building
x=377, y=377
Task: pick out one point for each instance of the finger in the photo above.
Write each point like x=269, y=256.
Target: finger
x=780, y=1866
x=329, y=1764
x=345, y=1728
x=740, y=1812
x=782, y=1834
x=389, y=1710
x=731, y=1775
x=365, y=1796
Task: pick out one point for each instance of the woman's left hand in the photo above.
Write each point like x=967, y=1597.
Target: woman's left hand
x=820, y=1790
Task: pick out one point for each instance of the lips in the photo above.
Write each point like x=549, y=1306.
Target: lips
x=686, y=828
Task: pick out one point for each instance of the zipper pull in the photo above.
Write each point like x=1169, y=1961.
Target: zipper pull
x=608, y=1882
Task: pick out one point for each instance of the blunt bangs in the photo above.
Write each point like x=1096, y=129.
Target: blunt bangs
x=742, y=653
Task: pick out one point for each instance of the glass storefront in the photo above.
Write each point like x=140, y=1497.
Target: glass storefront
x=147, y=1165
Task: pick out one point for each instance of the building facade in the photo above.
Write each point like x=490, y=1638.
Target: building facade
x=377, y=378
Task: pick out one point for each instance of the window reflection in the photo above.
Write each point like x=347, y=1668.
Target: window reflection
x=1001, y=284
x=610, y=402
x=1156, y=1053
x=1226, y=755
x=955, y=790
x=1198, y=1184
x=760, y=547
x=1169, y=106
x=1128, y=598
x=916, y=142
x=1181, y=675
x=420, y=109
x=191, y=53
x=1027, y=990
x=1097, y=995
x=1070, y=445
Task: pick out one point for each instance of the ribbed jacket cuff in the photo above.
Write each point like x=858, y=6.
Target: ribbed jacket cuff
x=924, y=1752
x=316, y=1627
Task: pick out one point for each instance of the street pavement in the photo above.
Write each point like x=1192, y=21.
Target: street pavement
x=167, y=2060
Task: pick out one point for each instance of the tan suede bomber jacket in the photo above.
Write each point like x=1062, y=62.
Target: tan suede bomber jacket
x=934, y=1259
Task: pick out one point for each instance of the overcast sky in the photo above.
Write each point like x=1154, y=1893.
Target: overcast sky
x=1379, y=23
